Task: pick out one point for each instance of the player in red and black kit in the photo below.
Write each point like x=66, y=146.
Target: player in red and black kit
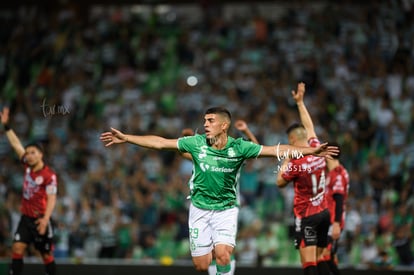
x=38, y=203
x=312, y=218
x=337, y=186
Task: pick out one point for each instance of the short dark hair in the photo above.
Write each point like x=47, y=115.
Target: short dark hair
x=37, y=145
x=294, y=126
x=219, y=110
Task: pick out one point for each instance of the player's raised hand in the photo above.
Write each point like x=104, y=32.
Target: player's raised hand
x=240, y=125
x=299, y=93
x=187, y=132
x=5, y=115
x=113, y=137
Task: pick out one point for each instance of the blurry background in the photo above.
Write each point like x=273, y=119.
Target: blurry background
x=69, y=70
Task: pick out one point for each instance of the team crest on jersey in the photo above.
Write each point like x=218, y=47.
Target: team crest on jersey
x=231, y=153
x=204, y=167
x=39, y=180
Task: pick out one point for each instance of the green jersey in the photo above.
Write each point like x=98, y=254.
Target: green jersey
x=213, y=184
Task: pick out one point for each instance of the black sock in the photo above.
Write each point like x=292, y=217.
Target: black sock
x=16, y=267
x=50, y=268
x=310, y=270
x=333, y=267
x=323, y=268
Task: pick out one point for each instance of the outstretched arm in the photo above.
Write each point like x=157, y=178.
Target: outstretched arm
x=241, y=125
x=11, y=135
x=305, y=117
x=152, y=142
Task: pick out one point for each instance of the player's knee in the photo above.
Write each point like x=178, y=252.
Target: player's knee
x=223, y=254
x=19, y=248
x=201, y=267
x=202, y=263
x=48, y=258
x=223, y=258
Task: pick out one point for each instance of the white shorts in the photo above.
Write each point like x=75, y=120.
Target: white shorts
x=210, y=227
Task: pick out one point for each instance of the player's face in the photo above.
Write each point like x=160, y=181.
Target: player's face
x=33, y=156
x=213, y=125
x=292, y=139
x=296, y=136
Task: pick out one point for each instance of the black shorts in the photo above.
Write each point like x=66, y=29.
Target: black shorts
x=27, y=233
x=312, y=230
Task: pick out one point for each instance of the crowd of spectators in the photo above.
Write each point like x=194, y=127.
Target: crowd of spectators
x=69, y=75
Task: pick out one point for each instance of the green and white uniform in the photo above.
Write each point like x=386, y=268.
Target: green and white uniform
x=213, y=189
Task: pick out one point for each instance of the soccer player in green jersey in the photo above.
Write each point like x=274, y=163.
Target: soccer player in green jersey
x=217, y=158
x=240, y=125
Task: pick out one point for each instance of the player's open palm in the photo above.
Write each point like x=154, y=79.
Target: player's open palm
x=112, y=137
x=299, y=93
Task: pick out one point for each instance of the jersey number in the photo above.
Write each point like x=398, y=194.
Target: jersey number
x=193, y=233
x=318, y=188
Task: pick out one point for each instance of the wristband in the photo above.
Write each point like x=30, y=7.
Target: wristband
x=6, y=127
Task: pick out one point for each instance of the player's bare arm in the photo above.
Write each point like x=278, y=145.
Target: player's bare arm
x=280, y=181
x=11, y=135
x=150, y=141
x=305, y=117
x=43, y=222
x=187, y=132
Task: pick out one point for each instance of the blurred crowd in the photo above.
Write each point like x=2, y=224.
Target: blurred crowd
x=69, y=75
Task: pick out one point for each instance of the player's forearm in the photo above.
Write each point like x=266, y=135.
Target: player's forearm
x=339, y=202
x=50, y=206
x=152, y=142
x=305, y=117
x=280, y=181
x=15, y=143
